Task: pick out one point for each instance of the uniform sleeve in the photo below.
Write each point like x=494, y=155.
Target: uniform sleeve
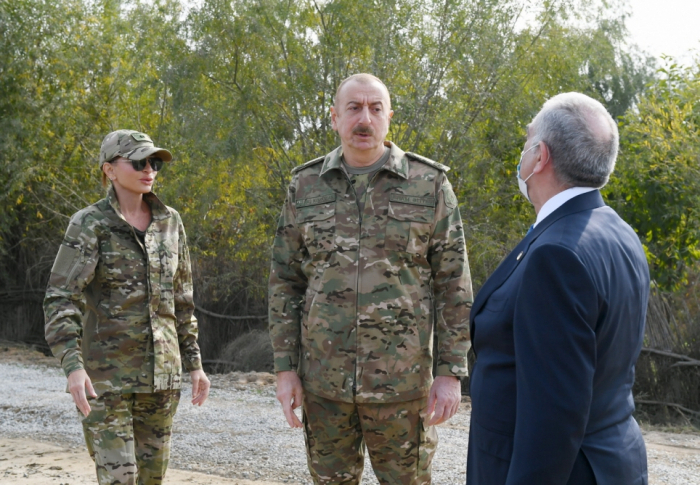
x=452, y=287
x=287, y=288
x=64, y=303
x=187, y=329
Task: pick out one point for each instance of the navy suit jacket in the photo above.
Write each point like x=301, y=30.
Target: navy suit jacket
x=557, y=329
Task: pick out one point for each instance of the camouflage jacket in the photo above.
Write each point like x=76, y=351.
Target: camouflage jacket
x=353, y=297
x=122, y=311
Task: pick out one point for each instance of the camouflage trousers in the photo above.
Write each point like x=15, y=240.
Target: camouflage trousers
x=400, y=446
x=128, y=436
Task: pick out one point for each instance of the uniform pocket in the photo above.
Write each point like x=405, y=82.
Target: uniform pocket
x=124, y=276
x=317, y=226
x=168, y=268
x=427, y=446
x=408, y=228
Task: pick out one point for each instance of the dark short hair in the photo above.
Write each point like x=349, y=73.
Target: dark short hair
x=363, y=78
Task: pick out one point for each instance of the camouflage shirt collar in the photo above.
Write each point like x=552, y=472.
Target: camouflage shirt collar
x=158, y=210
x=397, y=162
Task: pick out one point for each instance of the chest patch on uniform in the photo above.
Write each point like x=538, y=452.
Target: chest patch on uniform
x=64, y=260
x=412, y=199
x=450, y=197
x=321, y=199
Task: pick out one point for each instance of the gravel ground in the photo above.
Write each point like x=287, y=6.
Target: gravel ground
x=240, y=432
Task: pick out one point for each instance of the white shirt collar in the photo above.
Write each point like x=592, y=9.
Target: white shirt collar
x=558, y=200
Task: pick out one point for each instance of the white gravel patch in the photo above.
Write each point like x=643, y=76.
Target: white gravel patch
x=240, y=432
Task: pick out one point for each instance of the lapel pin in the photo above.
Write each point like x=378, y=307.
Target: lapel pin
x=519, y=256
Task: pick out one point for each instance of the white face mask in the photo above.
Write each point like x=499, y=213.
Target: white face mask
x=522, y=185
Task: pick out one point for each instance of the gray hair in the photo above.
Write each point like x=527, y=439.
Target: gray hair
x=581, y=136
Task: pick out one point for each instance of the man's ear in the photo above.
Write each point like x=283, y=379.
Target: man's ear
x=544, y=158
x=333, y=117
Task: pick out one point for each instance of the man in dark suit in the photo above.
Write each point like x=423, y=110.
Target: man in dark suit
x=558, y=327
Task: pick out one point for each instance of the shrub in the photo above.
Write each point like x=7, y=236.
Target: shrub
x=251, y=351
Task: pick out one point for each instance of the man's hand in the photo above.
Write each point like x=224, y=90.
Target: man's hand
x=444, y=399
x=78, y=383
x=289, y=394
x=200, y=387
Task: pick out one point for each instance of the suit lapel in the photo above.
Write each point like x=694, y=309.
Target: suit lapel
x=588, y=201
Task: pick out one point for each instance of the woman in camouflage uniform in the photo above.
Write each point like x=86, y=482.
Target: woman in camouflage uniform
x=119, y=315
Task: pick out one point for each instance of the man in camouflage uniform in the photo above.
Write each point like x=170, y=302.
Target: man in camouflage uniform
x=119, y=316
x=369, y=255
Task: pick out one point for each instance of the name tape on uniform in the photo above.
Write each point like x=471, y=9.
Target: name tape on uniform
x=412, y=199
x=322, y=199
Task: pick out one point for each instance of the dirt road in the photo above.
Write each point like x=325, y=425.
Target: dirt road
x=238, y=437
x=30, y=462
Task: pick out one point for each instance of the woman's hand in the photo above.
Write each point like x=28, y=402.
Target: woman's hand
x=78, y=383
x=200, y=387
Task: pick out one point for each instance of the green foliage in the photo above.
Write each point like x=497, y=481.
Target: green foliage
x=72, y=73
x=464, y=82
x=240, y=91
x=656, y=186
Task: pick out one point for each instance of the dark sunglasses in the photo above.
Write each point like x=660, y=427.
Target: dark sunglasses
x=139, y=165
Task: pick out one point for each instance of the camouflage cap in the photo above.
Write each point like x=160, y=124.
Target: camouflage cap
x=132, y=145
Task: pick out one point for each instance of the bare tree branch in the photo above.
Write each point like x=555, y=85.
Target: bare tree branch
x=230, y=317
x=668, y=404
x=670, y=354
